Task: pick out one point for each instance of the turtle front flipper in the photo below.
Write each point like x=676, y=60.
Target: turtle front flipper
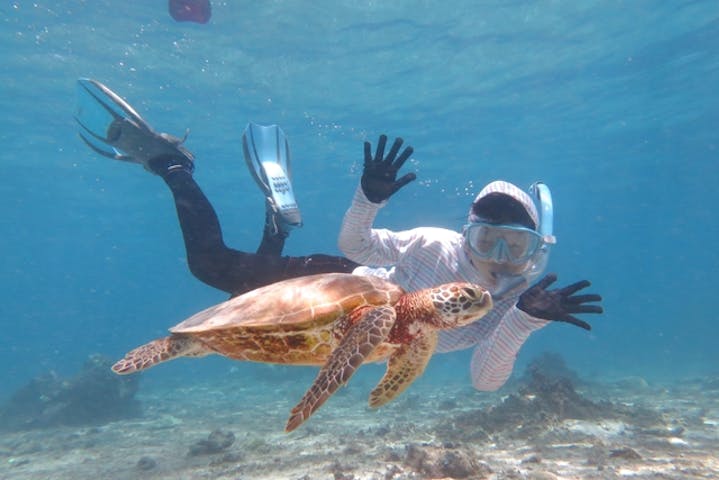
x=158, y=351
x=358, y=343
x=403, y=368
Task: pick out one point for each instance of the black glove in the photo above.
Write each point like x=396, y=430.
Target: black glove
x=559, y=304
x=379, y=178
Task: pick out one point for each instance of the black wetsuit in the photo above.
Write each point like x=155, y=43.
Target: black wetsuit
x=234, y=271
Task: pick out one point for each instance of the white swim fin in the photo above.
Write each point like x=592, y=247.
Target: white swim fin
x=267, y=154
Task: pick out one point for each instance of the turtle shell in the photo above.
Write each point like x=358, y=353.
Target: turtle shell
x=291, y=321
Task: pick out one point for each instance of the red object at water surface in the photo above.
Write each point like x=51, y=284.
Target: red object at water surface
x=197, y=11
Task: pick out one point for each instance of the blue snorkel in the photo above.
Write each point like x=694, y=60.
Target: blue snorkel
x=543, y=198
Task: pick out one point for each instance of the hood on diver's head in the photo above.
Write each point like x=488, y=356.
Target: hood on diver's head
x=503, y=203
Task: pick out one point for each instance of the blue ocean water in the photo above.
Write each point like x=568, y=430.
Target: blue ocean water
x=614, y=104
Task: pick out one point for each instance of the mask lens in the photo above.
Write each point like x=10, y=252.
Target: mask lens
x=482, y=239
x=502, y=243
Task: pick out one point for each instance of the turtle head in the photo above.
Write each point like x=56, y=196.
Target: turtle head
x=458, y=304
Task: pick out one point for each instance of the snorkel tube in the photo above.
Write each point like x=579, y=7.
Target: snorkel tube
x=543, y=198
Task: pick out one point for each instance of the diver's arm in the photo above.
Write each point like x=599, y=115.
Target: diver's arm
x=355, y=238
x=359, y=241
x=379, y=181
x=493, y=359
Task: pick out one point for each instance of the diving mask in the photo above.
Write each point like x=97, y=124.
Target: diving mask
x=502, y=243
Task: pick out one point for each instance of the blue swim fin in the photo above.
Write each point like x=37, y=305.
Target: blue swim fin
x=267, y=154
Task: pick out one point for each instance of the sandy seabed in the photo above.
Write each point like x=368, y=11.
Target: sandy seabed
x=619, y=429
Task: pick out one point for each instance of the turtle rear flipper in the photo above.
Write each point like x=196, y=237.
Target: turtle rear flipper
x=158, y=351
x=358, y=343
x=403, y=368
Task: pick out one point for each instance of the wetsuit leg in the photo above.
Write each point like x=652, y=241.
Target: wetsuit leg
x=234, y=271
x=273, y=239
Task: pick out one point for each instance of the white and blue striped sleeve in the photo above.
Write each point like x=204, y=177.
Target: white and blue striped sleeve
x=363, y=244
x=493, y=358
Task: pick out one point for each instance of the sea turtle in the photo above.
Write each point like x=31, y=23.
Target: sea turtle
x=334, y=320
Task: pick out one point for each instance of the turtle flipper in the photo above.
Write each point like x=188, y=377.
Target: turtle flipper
x=360, y=340
x=158, y=351
x=403, y=367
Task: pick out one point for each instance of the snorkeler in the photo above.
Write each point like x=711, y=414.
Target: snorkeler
x=504, y=246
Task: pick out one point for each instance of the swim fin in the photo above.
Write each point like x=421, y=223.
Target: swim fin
x=112, y=128
x=267, y=154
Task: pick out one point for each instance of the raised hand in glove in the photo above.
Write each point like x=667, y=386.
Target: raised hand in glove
x=379, y=178
x=559, y=304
